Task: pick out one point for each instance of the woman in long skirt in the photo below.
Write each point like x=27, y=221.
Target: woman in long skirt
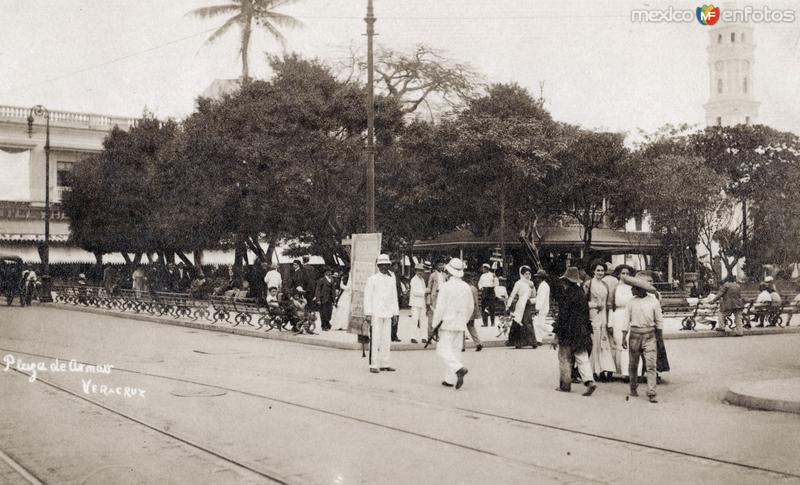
x=521, y=332
x=602, y=357
x=341, y=314
x=622, y=296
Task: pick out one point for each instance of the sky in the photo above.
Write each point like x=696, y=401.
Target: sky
x=599, y=69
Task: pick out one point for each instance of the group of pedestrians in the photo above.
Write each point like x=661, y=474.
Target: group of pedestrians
x=606, y=324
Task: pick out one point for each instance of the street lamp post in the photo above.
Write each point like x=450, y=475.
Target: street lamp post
x=370, y=20
x=40, y=110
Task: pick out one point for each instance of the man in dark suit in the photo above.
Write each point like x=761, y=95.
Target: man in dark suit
x=182, y=278
x=399, y=284
x=310, y=282
x=324, y=295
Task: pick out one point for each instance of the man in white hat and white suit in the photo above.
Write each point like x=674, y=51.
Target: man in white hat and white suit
x=454, y=309
x=380, y=310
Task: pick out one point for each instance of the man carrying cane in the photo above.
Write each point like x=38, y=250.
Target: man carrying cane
x=453, y=309
x=380, y=311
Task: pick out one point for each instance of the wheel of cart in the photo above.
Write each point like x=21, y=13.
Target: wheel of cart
x=688, y=323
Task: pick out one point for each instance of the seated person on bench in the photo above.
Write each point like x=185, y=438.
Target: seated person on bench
x=272, y=298
x=763, y=301
x=298, y=315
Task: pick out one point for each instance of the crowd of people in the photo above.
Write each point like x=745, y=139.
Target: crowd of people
x=606, y=324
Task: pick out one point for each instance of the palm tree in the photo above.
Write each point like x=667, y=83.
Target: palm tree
x=245, y=13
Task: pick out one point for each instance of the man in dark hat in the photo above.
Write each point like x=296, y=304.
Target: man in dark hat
x=644, y=322
x=573, y=333
x=324, y=294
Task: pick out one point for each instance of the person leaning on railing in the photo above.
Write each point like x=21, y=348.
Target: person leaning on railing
x=730, y=295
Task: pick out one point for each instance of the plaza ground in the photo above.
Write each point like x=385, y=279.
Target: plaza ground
x=223, y=408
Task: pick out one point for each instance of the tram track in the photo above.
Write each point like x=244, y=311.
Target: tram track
x=19, y=469
x=398, y=429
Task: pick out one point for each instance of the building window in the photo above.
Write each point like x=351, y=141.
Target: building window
x=733, y=36
x=741, y=37
x=746, y=120
x=719, y=39
x=744, y=85
x=638, y=223
x=64, y=174
x=719, y=86
x=719, y=120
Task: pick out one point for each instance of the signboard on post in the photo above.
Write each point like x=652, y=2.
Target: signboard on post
x=365, y=251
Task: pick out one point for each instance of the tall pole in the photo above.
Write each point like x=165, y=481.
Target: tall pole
x=503, y=233
x=370, y=20
x=40, y=110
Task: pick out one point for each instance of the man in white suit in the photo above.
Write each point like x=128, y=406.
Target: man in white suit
x=380, y=311
x=454, y=308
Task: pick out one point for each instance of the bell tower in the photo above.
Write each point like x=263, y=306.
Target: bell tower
x=730, y=65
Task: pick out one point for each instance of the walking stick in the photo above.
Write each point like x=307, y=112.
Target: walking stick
x=370, y=344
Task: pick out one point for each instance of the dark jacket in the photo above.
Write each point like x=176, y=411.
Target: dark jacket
x=297, y=277
x=311, y=277
x=731, y=295
x=325, y=291
x=572, y=327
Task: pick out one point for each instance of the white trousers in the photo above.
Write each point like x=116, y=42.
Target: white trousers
x=381, y=341
x=540, y=327
x=449, y=350
x=419, y=324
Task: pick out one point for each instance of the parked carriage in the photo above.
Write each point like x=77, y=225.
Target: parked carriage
x=11, y=278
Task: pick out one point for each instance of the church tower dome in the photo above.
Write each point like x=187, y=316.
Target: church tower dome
x=730, y=63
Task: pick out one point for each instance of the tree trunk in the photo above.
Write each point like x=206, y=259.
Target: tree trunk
x=270, y=250
x=246, y=31
x=198, y=257
x=99, y=259
x=183, y=258
x=503, y=233
x=252, y=243
x=137, y=259
x=127, y=258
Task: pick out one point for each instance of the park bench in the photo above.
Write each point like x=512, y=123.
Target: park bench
x=176, y=305
x=223, y=308
x=674, y=302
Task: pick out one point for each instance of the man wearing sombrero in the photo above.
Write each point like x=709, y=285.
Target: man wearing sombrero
x=642, y=320
x=453, y=310
x=573, y=334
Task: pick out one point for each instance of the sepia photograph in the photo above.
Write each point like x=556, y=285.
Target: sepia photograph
x=379, y=242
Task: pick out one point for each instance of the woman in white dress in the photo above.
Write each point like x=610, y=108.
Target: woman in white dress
x=602, y=357
x=622, y=296
x=521, y=332
x=341, y=314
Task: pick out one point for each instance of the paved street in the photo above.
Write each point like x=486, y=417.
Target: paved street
x=190, y=406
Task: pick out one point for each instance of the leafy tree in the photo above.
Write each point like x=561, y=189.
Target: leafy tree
x=592, y=184
x=113, y=198
x=245, y=13
x=756, y=161
x=281, y=158
x=678, y=191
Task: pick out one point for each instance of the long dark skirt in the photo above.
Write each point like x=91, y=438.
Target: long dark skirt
x=662, y=363
x=522, y=334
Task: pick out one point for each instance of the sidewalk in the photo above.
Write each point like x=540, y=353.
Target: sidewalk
x=773, y=395
x=340, y=339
